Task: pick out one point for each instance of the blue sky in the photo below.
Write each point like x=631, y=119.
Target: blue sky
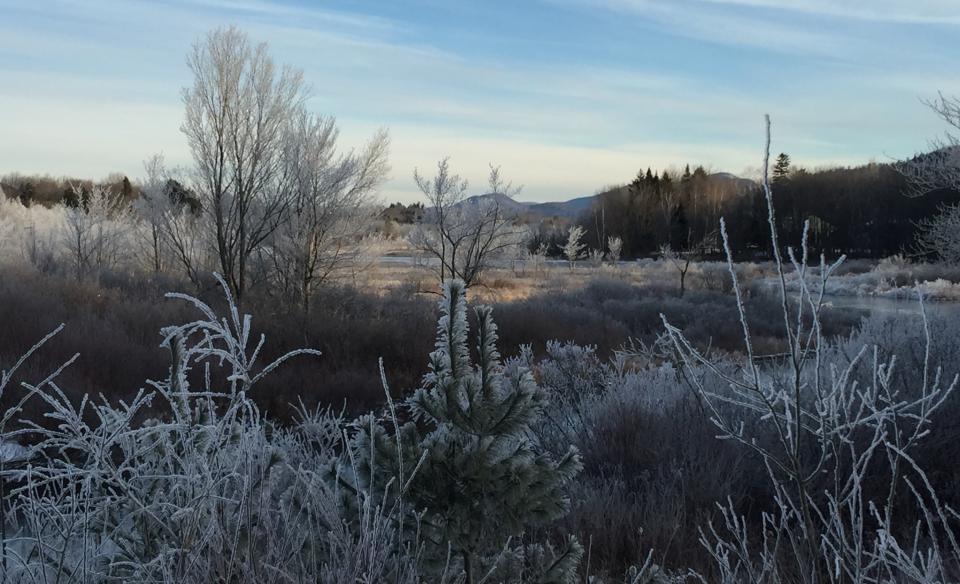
x=566, y=95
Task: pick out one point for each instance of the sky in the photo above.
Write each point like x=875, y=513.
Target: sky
x=567, y=96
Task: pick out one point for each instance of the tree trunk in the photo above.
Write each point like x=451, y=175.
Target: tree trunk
x=468, y=568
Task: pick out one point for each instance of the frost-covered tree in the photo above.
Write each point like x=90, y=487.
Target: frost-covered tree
x=95, y=231
x=481, y=481
x=574, y=248
x=595, y=257
x=153, y=209
x=680, y=261
x=331, y=204
x=939, y=236
x=237, y=111
x=33, y=234
x=538, y=258
x=464, y=235
x=940, y=168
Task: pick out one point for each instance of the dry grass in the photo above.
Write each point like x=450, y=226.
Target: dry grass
x=512, y=281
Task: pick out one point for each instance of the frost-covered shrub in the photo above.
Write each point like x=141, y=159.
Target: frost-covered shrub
x=30, y=234
x=569, y=370
x=892, y=277
x=203, y=490
x=607, y=312
x=98, y=235
x=653, y=469
x=835, y=431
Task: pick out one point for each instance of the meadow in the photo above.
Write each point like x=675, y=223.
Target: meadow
x=613, y=381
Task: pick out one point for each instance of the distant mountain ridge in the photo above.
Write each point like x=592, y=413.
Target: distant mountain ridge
x=572, y=208
x=567, y=209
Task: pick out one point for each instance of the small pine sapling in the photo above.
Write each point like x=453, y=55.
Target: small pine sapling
x=480, y=482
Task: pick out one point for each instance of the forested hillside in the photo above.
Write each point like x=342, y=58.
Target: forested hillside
x=866, y=211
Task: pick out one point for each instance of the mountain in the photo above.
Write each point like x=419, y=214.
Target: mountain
x=567, y=209
x=742, y=184
x=570, y=208
x=506, y=203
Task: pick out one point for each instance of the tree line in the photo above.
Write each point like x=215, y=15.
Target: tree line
x=864, y=211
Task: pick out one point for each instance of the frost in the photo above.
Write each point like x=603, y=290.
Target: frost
x=13, y=452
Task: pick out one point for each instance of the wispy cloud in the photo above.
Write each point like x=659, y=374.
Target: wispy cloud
x=607, y=87
x=826, y=29
x=897, y=11
x=306, y=14
x=699, y=20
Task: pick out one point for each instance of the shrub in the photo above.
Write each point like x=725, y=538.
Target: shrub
x=204, y=490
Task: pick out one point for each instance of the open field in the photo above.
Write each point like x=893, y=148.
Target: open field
x=515, y=279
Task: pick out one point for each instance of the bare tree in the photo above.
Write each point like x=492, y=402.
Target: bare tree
x=331, y=205
x=171, y=229
x=520, y=253
x=939, y=236
x=574, y=248
x=152, y=208
x=189, y=237
x=940, y=168
x=237, y=112
x=682, y=259
x=95, y=230
x=465, y=235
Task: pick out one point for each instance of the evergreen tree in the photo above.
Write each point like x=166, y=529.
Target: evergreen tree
x=70, y=198
x=479, y=479
x=679, y=229
x=126, y=189
x=781, y=169
x=27, y=192
x=637, y=184
x=686, y=183
x=181, y=196
x=666, y=183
